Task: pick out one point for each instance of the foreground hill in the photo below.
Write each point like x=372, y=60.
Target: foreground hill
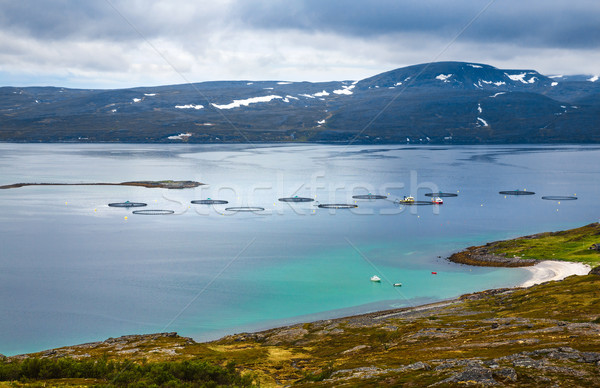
x=444, y=102
x=545, y=335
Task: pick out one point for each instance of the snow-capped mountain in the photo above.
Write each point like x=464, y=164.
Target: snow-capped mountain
x=442, y=102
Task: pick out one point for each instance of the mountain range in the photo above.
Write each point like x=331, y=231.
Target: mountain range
x=435, y=103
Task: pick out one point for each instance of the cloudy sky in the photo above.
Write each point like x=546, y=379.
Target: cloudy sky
x=127, y=43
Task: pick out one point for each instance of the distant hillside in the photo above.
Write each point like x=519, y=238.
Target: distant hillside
x=443, y=102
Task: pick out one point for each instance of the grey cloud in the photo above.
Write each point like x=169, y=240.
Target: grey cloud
x=538, y=23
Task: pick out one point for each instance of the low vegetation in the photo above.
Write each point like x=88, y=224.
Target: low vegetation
x=545, y=335
x=569, y=245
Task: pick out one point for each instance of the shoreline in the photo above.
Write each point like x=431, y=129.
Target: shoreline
x=553, y=270
x=149, y=184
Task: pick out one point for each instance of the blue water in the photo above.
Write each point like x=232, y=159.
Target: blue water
x=73, y=270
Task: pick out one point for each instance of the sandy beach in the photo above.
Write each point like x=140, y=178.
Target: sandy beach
x=554, y=270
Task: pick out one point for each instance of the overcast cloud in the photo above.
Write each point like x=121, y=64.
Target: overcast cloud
x=126, y=43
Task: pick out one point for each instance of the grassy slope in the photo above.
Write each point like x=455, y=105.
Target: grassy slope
x=568, y=245
x=481, y=328
x=492, y=330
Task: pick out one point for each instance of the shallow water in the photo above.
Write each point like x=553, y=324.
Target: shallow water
x=74, y=270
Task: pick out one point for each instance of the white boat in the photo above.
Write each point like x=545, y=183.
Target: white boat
x=375, y=278
x=397, y=284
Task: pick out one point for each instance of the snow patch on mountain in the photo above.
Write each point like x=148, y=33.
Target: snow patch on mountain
x=474, y=66
x=189, y=106
x=347, y=90
x=284, y=83
x=483, y=122
x=444, y=77
x=181, y=136
x=246, y=102
x=307, y=95
x=497, y=94
x=517, y=77
x=479, y=108
x=554, y=84
x=150, y=94
x=137, y=100
x=321, y=94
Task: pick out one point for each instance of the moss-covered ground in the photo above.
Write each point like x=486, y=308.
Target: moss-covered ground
x=545, y=335
x=569, y=245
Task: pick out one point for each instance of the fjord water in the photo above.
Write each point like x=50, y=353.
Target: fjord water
x=74, y=270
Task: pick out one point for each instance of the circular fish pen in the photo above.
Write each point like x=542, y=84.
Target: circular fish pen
x=296, y=199
x=414, y=203
x=245, y=209
x=516, y=192
x=154, y=212
x=337, y=206
x=369, y=196
x=441, y=195
x=127, y=204
x=559, y=198
x=209, y=202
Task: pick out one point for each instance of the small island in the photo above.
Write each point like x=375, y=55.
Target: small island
x=167, y=184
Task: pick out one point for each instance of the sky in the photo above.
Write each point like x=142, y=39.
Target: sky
x=128, y=43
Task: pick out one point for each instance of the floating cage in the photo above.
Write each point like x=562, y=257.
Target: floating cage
x=296, y=199
x=209, y=202
x=245, y=209
x=337, y=206
x=369, y=196
x=414, y=203
x=559, y=198
x=154, y=212
x=516, y=192
x=127, y=204
x=441, y=195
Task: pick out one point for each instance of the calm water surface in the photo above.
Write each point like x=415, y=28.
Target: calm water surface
x=74, y=270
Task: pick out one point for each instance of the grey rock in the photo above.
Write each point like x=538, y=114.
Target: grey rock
x=288, y=335
x=470, y=375
x=590, y=357
x=505, y=374
x=356, y=349
x=527, y=362
x=420, y=365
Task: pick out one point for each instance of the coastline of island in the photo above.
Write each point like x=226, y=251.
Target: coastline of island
x=166, y=184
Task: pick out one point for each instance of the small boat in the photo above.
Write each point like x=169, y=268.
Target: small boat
x=408, y=199
x=397, y=284
x=437, y=200
x=375, y=278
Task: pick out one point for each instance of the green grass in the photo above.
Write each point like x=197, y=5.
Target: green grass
x=570, y=245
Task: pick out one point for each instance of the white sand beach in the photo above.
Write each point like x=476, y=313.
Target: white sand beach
x=554, y=270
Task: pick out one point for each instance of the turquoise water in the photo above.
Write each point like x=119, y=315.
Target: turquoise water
x=73, y=270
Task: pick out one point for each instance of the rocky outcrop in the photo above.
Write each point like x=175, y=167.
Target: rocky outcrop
x=483, y=257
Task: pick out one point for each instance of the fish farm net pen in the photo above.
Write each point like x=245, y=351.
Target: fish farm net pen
x=245, y=209
x=209, y=202
x=369, y=196
x=441, y=195
x=337, y=206
x=296, y=199
x=154, y=212
x=516, y=192
x=127, y=204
